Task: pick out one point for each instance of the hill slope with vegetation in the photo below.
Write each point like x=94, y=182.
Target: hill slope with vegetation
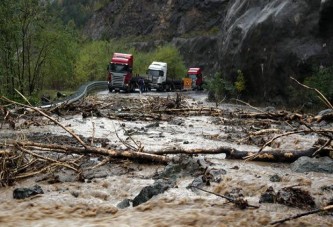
x=248, y=48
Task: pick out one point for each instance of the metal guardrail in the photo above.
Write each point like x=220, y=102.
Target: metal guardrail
x=80, y=93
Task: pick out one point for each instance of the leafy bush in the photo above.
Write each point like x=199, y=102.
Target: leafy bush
x=322, y=80
x=240, y=82
x=219, y=88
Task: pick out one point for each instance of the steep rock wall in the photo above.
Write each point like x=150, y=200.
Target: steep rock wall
x=273, y=40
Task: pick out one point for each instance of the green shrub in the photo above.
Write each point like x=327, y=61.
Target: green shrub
x=322, y=80
x=240, y=84
x=219, y=88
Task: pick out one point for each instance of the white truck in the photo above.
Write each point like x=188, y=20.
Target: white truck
x=158, y=78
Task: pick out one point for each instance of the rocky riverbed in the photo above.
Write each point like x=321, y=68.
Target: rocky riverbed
x=135, y=192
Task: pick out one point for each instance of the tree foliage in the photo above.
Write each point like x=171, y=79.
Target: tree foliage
x=322, y=79
x=30, y=43
x=172, y=56
x=240, y=84
x=219, y=88
x=39, y=51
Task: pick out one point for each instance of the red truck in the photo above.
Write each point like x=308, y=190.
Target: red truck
x=120, y=72
x=196, y=75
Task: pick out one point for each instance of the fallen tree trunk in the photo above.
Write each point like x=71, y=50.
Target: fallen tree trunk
x=231, y=153
x=159, y=156
x=95, y=150
x=192, y=111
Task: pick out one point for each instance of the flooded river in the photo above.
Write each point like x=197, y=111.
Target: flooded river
x=95, y=200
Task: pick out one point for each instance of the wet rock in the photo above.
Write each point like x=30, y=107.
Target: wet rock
x=208, y=177
x=275, y=178
x=75, y=193
x=235, y=193
x=269, y=196
x=22, y=193
x=185, y=167
x=295, y=197
x=160, y=186
x=152, y=125
x=197, y=183
x=124, y=204
x=327, y=188
x=179, y=122
x=306, y=164
x=216, y=174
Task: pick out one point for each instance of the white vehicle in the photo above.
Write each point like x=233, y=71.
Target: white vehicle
x=158, y=77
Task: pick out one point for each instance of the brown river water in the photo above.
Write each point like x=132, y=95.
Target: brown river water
x=94, y=202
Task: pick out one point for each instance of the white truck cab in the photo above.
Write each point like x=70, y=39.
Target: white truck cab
x=157, y=74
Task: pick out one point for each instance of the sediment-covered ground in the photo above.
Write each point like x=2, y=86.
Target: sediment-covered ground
x=117, y=191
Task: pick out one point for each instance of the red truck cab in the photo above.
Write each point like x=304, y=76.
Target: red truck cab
x=196, y=75
x=120, y=72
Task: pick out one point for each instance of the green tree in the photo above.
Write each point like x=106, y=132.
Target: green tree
x=31, y=40
x=172, y=56
x=58, y=72
x=9, y=31
x=240, y=84
x=219, y=88
x=92, y=61
x=322, y=79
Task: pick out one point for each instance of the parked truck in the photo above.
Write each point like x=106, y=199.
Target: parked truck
x=197, y=80
x=158, y=78
x=120, y=72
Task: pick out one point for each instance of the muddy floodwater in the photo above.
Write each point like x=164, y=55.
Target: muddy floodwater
x=94, y=200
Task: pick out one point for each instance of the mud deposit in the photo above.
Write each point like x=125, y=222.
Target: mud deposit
x=93, y=197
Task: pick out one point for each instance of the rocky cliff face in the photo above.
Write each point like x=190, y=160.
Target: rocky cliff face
x=268, y=40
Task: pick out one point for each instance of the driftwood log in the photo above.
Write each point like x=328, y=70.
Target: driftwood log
x=96, y=150
x=231, y=153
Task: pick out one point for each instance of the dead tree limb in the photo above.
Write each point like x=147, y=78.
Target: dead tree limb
x=247, y=104
x=191, y=110
x=239, y=202
x=327, y=208
x=321, y=96
x=45, y=158
x=254, y=156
